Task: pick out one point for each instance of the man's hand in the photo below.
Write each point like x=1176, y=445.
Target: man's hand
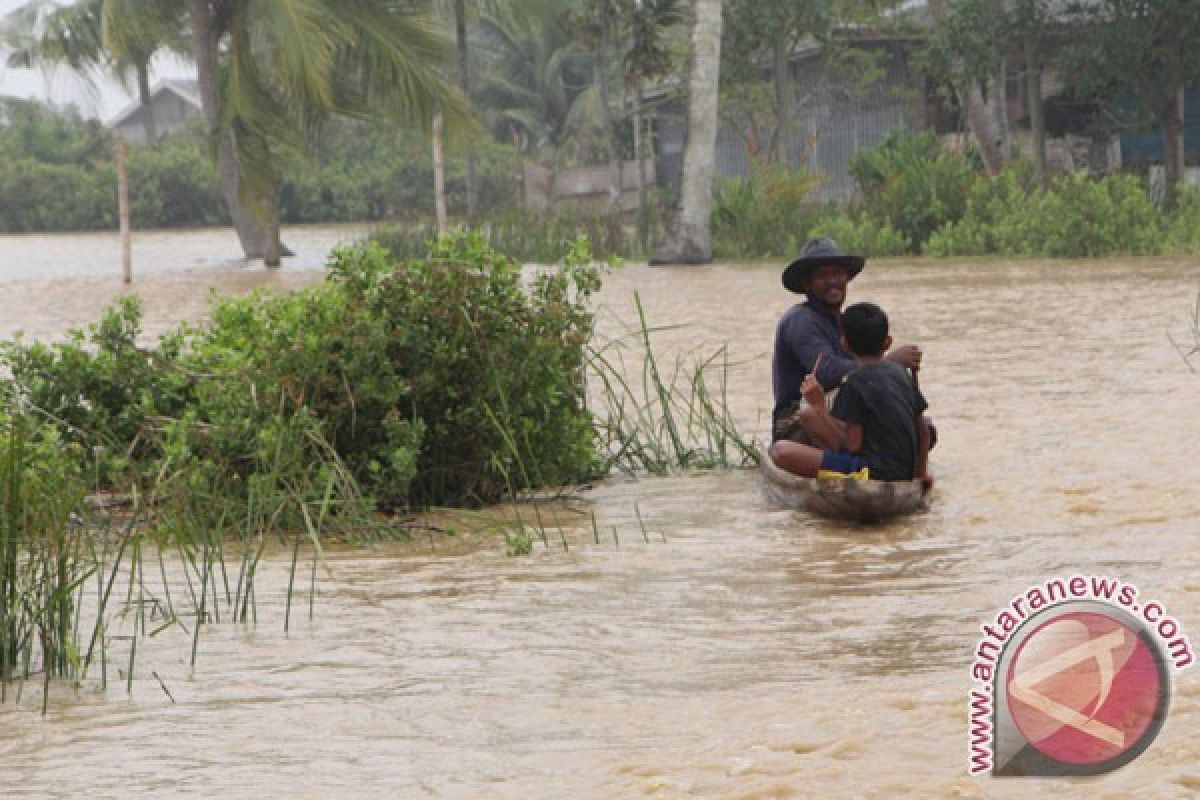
x=926, y=484
x=907, y=356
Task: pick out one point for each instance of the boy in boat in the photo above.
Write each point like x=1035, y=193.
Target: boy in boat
x=875, y=429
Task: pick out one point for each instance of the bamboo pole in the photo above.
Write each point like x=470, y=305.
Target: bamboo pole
x=123, y=210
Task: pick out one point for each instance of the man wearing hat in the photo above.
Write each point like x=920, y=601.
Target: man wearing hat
x=808, y=338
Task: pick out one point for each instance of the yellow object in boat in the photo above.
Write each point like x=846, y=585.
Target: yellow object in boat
x=863, y=474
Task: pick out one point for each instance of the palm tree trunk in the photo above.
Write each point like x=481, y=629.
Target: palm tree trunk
x=439, y=174
x=252, y=234
x=464, y=82
x=148, y=122
x=689, y=236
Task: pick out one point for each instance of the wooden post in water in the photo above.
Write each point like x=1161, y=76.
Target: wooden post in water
x=123, y=210
x=439, y=173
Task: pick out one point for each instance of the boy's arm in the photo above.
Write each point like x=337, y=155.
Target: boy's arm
x=922, y=467
x=854, y=436
x=830, y=429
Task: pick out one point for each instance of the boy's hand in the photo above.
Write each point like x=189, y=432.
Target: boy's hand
x=812, y=391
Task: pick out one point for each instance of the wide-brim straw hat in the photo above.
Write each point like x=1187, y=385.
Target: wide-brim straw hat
x=817, y=253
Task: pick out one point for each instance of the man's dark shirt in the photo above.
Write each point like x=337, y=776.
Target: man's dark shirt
x=805, y=331
x=883, y=399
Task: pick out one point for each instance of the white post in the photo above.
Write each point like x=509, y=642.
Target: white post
x=123, y=210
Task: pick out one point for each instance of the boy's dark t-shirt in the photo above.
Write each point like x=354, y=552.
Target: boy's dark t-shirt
x=883, y=398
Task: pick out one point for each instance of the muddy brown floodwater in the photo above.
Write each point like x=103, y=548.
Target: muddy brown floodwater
x=741, y=652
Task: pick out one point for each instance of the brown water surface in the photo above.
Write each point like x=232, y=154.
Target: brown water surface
x=740, y=652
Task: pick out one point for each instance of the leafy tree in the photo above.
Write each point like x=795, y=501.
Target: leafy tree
x=628, y=44
x=766, y=35
x=463, y=14
x=968, y=49
x=768, y=32
x=536, y=71
x=1143, y=49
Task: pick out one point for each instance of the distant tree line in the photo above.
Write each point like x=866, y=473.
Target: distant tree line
x=57, y=174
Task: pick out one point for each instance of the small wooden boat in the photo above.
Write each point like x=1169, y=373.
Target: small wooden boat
x=838, y=498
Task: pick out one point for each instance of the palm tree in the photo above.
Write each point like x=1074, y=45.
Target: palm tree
x=93, y=36
x=627, y=40
x=689, y=234
x=272, y=73
x=536, y=74
x=134, y=31
x=463, y=13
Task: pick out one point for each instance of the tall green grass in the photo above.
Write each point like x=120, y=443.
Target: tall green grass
x=654, y=419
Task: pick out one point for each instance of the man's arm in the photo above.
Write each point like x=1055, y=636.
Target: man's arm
x=808, y=343
x=906, y=355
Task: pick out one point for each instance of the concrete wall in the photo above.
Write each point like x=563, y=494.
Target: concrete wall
x=834, y=122
x=582, y=187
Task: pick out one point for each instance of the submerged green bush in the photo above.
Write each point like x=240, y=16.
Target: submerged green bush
x=542, y=238
x=1182, y=236
x=441, y=381
x=101, y=387
x=1074, y=216
x=494, y=368
x=861, y=234
x=763, y=215
x=908, y=183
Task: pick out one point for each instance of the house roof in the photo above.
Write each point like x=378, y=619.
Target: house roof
x=188, y=91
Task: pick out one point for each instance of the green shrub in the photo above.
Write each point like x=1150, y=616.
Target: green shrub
x=57, y=174
x=861, y=234
x=537, y=238
x=100, y=387
x=494, y=370
x=173, y=185
x=763, y=215
x=909, y=184
x=1182, y=236
x=37, y=196
x=448, y=380
x=1075, y=216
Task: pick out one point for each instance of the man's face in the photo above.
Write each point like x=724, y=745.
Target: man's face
x=827, y=283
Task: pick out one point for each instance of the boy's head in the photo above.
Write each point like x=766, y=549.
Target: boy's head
x=865, y=329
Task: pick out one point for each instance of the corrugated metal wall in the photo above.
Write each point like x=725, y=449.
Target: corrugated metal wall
x=837, y=120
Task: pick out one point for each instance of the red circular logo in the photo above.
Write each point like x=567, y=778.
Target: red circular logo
x=1085, y=688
